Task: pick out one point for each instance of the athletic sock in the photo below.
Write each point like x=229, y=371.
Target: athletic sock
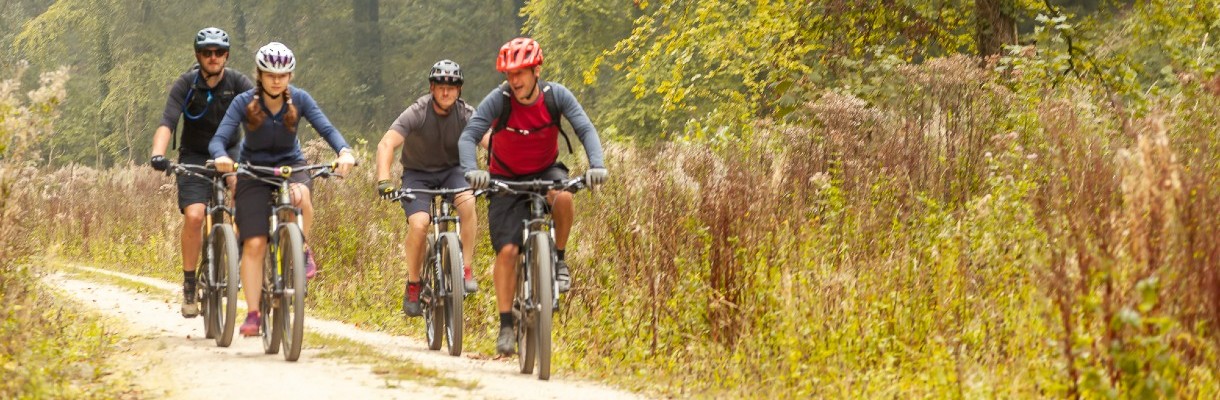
x=506, y=320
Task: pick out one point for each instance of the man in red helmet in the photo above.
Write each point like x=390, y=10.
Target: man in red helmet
x=524, y=146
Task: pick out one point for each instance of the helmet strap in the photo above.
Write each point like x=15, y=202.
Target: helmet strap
x=533, y=90
x=207, y=76
x=272, y=96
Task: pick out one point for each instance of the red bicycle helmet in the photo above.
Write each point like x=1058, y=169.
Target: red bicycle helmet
x=519, y=53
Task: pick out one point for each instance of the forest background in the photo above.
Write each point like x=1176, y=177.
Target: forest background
x=838, y=198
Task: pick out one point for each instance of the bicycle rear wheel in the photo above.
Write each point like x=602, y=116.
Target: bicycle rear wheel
x=543, y=280
x=206, y=284
x=434, y=311
x=455, y=290
x=222, y=297
x=523, y=312
x=269, y=326
x=292, y=302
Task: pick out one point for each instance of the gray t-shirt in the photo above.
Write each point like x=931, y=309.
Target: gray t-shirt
x=430, y=140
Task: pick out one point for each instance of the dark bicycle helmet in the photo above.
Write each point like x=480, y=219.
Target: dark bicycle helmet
x=211, y=36
x=445, y=71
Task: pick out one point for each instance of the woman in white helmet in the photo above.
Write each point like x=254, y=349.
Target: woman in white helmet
x=270, y=114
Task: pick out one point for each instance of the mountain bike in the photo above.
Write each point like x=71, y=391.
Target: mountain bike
x=442, y=293
x=536, y=296
x=282, y=302
x=219, y=269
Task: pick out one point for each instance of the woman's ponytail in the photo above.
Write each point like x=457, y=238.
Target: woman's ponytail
x=254, y=110
x=290, y=117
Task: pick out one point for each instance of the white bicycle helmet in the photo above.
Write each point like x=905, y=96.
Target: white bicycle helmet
x=446, y=71
x=211, y=36
x=276, y=58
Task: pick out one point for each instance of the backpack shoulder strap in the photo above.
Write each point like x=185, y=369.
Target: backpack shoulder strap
x=502, y=120
x=552, y=107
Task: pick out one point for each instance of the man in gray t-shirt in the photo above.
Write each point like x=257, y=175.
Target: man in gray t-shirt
x=428, y=133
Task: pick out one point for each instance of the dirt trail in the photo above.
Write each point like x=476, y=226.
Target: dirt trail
x=168, y=357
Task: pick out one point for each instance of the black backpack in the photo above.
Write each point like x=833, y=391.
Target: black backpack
x=501, y=123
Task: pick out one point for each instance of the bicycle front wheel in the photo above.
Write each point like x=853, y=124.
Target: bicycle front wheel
x=543, y=281
x=292, y=301
x=455, y=290
x=222, y=299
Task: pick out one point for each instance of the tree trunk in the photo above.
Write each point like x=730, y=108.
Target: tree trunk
x=368, y=49
x=995, y=26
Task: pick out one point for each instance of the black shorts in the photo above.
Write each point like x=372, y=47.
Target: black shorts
x=193, y=189
x=253, y=201
x=448, y=179
x=506, y=214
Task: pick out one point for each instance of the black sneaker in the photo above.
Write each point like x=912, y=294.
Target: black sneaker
x=506, y=344
x=190, y=305
x=562, y=277
x=410, y=300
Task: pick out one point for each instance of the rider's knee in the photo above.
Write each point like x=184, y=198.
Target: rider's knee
x=256, y=243
x=300, y=196
x=509, y=250
x=193, y=214
x=419, y=221
x=562, y=198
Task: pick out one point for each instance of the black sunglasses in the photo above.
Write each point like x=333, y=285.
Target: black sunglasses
x=213, y=53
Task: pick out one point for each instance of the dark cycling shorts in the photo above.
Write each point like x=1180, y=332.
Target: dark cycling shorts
x=193, y=189
x=506, y=214
x=253, y=201
x=448, y=179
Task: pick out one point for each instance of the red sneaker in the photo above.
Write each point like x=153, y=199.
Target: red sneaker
x=311, y=266
x=251, y=326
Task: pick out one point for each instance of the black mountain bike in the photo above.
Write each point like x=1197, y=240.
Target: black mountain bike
x=536, y=297
x=443, y=289
x=282, y=303
x=218, y=272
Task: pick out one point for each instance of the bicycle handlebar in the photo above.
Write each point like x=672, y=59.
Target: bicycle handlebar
x=409, y=194
x=539, y=185
x=207, y=171
x=284, y=172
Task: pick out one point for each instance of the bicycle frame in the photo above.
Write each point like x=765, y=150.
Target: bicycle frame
x=533, y=313
x=283, y=291
x=281, y=207
x=443, y=289
x=540, y=220
x=443, y=220
x=218, y=211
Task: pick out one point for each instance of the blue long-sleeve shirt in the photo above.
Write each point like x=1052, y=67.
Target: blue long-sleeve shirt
x=272, y=144
x=489, y=110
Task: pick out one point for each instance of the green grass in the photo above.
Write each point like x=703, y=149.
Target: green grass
x=969, y=238
x=42, y=356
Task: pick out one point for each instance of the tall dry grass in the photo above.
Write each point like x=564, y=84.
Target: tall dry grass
x=955, y=238
x=41, y=355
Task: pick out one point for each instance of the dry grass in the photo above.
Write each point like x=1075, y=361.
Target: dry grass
x=956, y=239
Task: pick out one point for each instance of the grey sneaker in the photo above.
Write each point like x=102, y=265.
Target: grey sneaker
x=468, y=279
x=562, y=277
x=410, y=300
x=190, y=305
x=506, y=344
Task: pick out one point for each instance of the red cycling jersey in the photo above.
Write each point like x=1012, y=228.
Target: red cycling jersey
x=530, y=142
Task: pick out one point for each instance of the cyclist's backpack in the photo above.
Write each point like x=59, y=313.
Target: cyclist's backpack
x=552, y=107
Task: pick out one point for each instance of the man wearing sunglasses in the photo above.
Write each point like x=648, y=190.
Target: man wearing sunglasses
x=199, y=98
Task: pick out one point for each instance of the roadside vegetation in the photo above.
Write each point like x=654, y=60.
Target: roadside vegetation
x=791, y=214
